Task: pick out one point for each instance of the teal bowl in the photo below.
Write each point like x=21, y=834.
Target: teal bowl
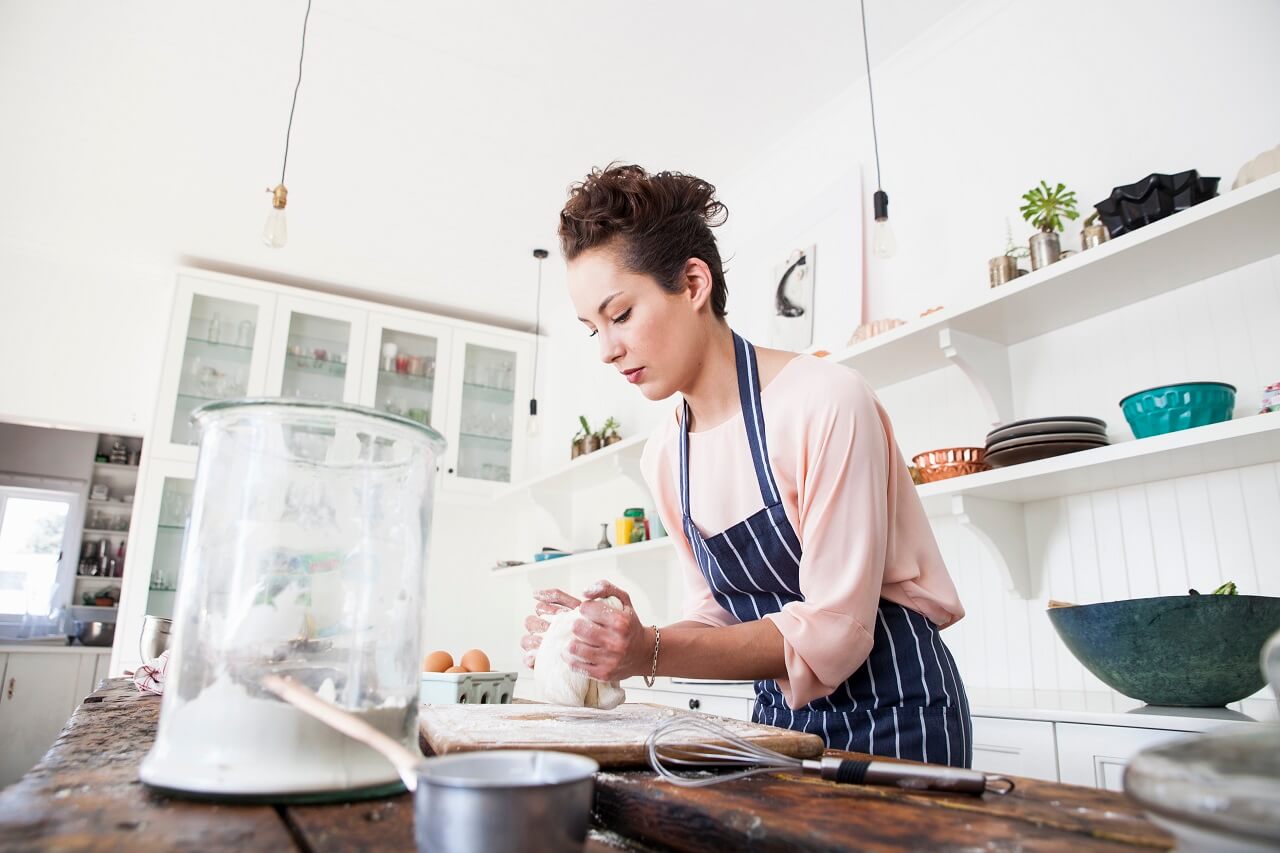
x=1170, y=408
x=1198, y=651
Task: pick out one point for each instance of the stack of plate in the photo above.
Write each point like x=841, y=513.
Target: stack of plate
x=1040, y=438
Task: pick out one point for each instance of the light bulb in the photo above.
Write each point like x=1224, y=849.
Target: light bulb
x=532, y=425
x=275, y=233
x=883, y=243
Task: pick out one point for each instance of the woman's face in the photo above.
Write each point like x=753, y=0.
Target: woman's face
x=649, y=335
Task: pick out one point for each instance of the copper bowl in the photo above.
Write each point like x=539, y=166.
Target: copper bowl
x=948, y=462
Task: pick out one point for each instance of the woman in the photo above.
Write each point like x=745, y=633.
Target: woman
x=809, y=563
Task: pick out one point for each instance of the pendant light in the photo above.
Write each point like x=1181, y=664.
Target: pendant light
x=882, y=241
x=541, y=255
x=276, y=231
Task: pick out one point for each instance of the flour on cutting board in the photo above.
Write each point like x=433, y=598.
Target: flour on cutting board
x=602, y=734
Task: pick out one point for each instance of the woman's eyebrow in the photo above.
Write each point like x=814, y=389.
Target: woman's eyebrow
x=604, y=304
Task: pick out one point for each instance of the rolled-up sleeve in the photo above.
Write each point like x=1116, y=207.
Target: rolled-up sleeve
x=843, y=515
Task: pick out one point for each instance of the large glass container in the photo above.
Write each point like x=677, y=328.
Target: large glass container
x=304, y=557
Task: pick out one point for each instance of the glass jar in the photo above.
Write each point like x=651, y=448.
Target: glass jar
x=304, y=557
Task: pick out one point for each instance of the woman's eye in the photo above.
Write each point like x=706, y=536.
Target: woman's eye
x=622, y=318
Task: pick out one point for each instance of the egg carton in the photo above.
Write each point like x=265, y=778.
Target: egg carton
x=460, y=688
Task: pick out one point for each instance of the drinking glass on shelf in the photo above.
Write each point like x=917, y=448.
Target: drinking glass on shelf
x=508, y=377
x=244, y=334
x=215, y=328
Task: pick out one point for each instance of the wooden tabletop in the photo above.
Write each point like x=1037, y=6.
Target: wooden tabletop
x=85, y=795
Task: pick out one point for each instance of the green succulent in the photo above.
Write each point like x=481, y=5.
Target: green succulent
x=1045, y=207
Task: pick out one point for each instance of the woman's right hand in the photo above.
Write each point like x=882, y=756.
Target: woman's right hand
x=548, y=602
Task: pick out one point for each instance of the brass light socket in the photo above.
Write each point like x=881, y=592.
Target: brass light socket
x=279, y=197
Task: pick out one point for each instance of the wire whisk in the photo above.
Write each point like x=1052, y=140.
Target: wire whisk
x=694, y=742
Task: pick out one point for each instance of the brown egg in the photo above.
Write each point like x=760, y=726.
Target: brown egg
x=475, y=661
x=456, y=669
x=437, y=662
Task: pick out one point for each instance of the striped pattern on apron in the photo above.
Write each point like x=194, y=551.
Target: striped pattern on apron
x=906, y=700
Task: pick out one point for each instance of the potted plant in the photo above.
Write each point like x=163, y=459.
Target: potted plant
x=1094, y=232
x=579, y=439
x=1044, y=209
x=591, y=441
x=609, y=433
x=1004, y=268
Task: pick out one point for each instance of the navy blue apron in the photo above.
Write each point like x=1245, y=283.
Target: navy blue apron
x=907, y=700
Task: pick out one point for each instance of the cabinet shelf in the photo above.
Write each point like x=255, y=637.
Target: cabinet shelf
x=110, y=503
x=486, y=393
x=406, y=380
x=105, y=581
x=1214, y=237
x=315, y=366
x=120, y=534
x=624, y=552
x=115, y=467
x=171, y=527
x=205, y=348
x=477, y=437
x=991, y=503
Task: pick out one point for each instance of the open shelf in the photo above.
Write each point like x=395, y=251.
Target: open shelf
x=119, y=534
x=1214, y=237
x=991, y=503
x=625, y=552
x=586, y=471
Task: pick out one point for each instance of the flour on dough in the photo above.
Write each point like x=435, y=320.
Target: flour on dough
x=559, y=684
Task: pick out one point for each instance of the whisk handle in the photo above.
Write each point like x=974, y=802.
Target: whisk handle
x=920, y=777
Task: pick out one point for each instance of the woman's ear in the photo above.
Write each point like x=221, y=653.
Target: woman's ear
x=698, y=282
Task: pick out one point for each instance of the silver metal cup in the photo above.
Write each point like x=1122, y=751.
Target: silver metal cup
x=504, y=800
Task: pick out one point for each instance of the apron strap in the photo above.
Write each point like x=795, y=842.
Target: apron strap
x=753, y=417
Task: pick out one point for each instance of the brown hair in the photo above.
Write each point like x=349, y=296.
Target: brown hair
x=655, y=223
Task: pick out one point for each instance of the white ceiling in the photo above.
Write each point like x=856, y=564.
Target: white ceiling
x=433, y=142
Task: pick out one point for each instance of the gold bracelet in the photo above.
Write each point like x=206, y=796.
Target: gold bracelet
x=657, y=643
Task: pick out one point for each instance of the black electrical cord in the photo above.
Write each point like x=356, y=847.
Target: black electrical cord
x=866, y=53
x=541, y=255
x=296, y=86
x=785, y=307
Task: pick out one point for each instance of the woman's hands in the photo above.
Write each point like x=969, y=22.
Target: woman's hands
x=607, y=645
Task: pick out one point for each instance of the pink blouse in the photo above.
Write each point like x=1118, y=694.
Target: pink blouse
x=847, y=492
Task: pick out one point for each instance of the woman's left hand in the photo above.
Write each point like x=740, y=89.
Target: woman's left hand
x=609, y=644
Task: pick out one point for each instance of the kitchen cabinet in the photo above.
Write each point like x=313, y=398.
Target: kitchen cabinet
x=216, y=349
x=1015, y=747
x=487, y=422
x=38, y=692
x=1097, y=755
x=316, y=351
x=413, y=360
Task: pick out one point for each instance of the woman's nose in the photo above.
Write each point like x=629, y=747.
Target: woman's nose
x=610, y=349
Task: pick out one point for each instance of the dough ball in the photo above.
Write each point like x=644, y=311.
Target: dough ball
x=557, y=682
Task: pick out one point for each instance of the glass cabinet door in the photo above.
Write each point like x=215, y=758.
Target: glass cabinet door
x=166, y=557
x=216, y=358
x=315, y=366
x=486, y=430
x=407, y=367
x=316, y=351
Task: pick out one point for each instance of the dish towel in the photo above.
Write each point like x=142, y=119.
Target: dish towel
x=150, y=677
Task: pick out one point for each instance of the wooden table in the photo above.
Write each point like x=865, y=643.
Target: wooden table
x=85, y=795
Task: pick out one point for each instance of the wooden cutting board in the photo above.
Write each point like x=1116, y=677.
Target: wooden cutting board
x=613, y=738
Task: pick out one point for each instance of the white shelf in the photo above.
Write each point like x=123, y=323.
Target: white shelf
x=585, y=471
x=115, y=468
x=99, y=579
x=990, y=504
x=1230, y=231
x=110, y=503
x=638, y=549
x=554, y=490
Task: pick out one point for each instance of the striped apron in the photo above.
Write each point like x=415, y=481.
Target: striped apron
x=906, y=700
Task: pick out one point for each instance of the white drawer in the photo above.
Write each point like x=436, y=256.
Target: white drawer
x=1015, y=747
x=724, y=706
x=1097, y=755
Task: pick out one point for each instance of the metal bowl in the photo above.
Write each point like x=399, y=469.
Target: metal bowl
x=504, y=800
x=96, y=633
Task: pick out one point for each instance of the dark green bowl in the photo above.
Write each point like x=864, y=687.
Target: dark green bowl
x=1192, y=650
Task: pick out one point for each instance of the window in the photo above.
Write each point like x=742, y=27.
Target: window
x=33, y=529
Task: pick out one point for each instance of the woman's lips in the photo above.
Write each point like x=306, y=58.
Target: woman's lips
x=634, y=375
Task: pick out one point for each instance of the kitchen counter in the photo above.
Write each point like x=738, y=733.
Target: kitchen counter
x=84, y=796
x=1057, y=706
